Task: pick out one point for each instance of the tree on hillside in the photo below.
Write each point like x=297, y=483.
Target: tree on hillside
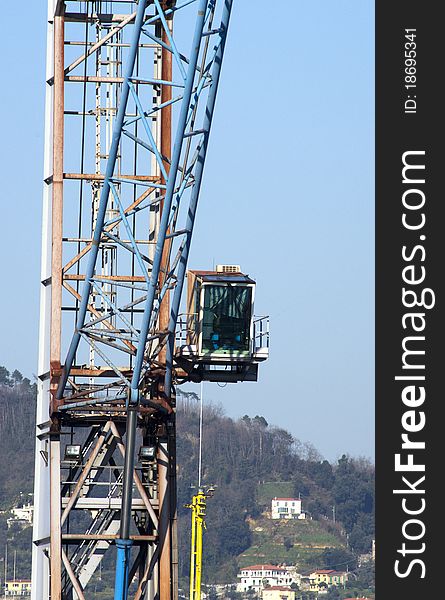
x=318, y=508
x=333, y=593
x=362, y=533
x=308, y=596
x=322, y=473
x=364, y=577
x=4, y=376
x=288, y=544
x=260, y=422
x=338, y=559
x=300, y=485
x=353, y=493
x=16, y=377
x=232, y=594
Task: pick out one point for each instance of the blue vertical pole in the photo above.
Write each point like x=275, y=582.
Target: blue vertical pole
x=216, y=72
x=122, y=569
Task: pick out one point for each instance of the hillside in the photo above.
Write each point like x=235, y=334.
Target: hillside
x=249, y=462
x=17, y=415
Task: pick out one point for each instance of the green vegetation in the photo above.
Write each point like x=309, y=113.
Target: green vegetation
x=17, y=426
x=270, y=489
x=290, y=542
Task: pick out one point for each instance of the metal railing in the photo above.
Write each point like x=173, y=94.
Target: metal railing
x=261, y=336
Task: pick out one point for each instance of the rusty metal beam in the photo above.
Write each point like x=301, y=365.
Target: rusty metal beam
x=99, y=177
x=72, y=17
x=122, y=278
x=57, y=203
x=56, y=298
x=166, y=152
x=73, y=578
x=101, y=79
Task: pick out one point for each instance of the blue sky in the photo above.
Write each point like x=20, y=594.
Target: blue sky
x=288, y=195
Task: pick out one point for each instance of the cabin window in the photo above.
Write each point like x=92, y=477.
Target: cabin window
x=226, y=318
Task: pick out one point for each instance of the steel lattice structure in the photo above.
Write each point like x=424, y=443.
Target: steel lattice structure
x=129, y=107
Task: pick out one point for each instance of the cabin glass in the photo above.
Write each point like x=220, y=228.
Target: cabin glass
x=226, y=319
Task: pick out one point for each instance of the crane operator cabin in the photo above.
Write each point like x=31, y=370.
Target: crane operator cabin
x=219, y=332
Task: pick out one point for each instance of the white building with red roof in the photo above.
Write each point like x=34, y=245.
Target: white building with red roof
x=257, y=577
x=287, y=508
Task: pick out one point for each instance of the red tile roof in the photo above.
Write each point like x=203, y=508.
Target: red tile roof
x=262, y=568
x=291, y=499
x=324, y=571
x=331, y=572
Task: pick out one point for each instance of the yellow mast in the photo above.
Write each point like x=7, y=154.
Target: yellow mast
x=198, y=507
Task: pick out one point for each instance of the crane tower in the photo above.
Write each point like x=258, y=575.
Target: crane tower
x=130, y=96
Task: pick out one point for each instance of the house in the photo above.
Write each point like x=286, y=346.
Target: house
x=278, y=592
x=321, y=579
x=257, y=577
x=287, y=508
x=18, y=587
x=22, y=515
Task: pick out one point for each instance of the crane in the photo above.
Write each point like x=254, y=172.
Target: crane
x=130, y=97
